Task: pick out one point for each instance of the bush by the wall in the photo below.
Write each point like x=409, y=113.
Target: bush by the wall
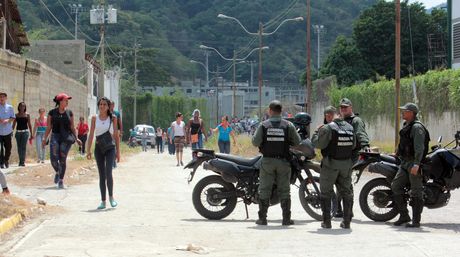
x=437, y=91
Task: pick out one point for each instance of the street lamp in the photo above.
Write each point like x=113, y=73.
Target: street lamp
x=319, y=29
x=234, y=59
x=260, y=33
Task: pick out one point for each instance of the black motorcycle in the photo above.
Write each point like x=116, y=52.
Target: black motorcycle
x=440, y=170
x=215, y=197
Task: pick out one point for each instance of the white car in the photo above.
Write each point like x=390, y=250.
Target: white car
x=150, y=131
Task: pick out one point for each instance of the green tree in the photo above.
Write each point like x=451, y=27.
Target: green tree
x=374, y=34
x=346, y=63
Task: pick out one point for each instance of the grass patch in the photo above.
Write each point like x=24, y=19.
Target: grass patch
x=242, y=148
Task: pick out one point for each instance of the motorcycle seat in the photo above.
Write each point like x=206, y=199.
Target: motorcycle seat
x=239, y=160
x=389, y=158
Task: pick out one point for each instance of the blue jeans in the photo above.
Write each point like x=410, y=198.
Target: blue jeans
x=58, y=155
x=104, y=166
x=224, y=146
x=38, y=146
x=144, y=144
x=21, y=140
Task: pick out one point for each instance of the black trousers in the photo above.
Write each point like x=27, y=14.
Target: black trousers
x=5, y=145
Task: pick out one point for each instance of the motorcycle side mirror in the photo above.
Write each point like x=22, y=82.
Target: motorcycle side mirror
x=439, y=139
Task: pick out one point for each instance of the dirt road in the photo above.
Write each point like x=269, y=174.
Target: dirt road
x=155, y=216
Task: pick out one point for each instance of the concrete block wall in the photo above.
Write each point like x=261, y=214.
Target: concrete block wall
x=36, y=84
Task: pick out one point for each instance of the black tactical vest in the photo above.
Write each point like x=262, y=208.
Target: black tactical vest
x=341, y=145
x=406, y=142
x=275, y=142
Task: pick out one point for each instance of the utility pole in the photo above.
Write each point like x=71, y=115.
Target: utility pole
x=252, y=73
x=261, y=31
x=102, y=81
x=308, y=99
x=75, y=9
x=3, y=22
x=397, y=67
x=234, y=86
x=135, y=82
x=4, y=25
x=217, y=96
x=206, y=53
x=98, y=16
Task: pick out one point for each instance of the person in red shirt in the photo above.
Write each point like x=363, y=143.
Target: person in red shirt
x=82, y=129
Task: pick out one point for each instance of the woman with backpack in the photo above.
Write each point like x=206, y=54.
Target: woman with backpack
x=105, y=127
x=61, y=124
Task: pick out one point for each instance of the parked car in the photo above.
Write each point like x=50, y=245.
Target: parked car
x=150, y=131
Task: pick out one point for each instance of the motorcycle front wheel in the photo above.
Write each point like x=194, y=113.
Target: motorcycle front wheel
x=376, y=200
x=206, y=198
x=310, y=199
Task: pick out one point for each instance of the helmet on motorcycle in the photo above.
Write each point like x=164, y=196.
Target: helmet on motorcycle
x=305, y=148
x=302, y=118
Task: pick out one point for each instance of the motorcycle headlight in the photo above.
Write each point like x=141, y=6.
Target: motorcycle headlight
x=199, y=154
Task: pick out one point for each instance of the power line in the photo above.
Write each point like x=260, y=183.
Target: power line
x=55, y=18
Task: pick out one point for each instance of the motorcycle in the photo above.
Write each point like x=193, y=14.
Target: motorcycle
x=132, y=142
x=440, y=170
x=215, y=196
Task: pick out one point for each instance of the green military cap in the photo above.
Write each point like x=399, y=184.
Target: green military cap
x=410, y=107
x=345, y=102
x=275, y=105
x=330, y=109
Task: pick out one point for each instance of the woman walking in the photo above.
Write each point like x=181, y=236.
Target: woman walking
x=40, y=125
x=144, y=137
x=82, y=130
x=178, y=129
x=159, y=140
x=195, y=130
x=225, y=131
x=61, y=124
x=105, y=127
x=23, y=131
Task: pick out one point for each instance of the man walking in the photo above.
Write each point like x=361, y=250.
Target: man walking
x=336, y=141
x=274, y=137
x=412, y=149
x=362, y=139
x=6, y=130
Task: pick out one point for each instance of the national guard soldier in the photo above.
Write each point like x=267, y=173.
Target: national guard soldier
x=362, y=139
x=336, y=141
x=412, y=149
x=274, y=137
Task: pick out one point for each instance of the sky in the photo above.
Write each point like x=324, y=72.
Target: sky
x=430, y=3
x=427, y=3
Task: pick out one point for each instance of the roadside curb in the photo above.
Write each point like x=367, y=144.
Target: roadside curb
x=11, y=222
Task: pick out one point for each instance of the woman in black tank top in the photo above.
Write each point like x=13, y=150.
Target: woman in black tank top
x=23, y=131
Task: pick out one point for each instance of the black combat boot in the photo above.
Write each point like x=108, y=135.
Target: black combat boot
x=417, y=208
x=326, y=208
x=347, y=213
x=286, y=207
x=263, y=208
x=339, y=212
x=401, y=206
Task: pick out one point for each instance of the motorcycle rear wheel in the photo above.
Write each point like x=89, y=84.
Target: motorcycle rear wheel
x=311, y=200
x=206, y=205
x=376, y=202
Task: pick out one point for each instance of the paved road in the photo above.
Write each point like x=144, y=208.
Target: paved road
x=155, y=216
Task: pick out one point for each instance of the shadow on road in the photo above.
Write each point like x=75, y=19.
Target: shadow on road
x=333, y=231
x=219, y=221
x=103, y=210
x=455, y=227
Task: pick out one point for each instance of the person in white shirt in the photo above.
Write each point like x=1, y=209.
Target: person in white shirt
x=178, y=128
